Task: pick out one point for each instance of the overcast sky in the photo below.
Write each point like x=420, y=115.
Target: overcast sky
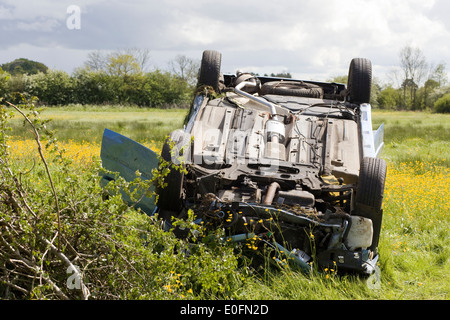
x=311, y=39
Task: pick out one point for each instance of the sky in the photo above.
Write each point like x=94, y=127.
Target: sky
x=311, y=39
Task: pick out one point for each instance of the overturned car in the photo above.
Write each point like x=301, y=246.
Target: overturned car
x=294, y=164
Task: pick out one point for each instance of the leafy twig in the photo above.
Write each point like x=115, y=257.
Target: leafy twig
x=44, y=161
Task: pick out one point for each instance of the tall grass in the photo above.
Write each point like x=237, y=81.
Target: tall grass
x=56, y=220
x=415, y=232
x=84, y=124
x=414, y=246
x=415, y=136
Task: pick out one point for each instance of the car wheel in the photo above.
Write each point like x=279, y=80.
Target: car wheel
x=210, y=69
x=175, y=151
x=369, y=194
x=359, y=82
x=292, y=88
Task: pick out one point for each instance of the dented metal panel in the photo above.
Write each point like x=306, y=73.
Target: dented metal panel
x=124, y=156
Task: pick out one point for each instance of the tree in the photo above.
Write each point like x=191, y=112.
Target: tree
x=442, y=105
x=414, y=67
x=99, y=60
x=185, y=68
x=96, y=61
x=439, y=75
x=389, y=98
x=281, y=75
x=413, y=64
x=425, y=93
x=24, y=66
x=92, y=87
x=53, y=88
x=339, y=79
x=122, y=65
x=4, y=77
x=165, y=89
x=141, y=56
x=374, y=92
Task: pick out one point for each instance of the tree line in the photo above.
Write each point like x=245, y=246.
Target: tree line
x=123, y=77
x=415, y=85
x=120, y=77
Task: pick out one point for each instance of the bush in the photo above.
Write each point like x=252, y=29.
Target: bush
x=163, y=88
x=442, y=105
x=24, y=66
x=153, y=89
x=4, y=77
x=388, y=98
x=63, y=238
x=92, y=87
x=52, y=88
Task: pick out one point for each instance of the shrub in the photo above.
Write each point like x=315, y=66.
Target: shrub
x=152, y=89
x=163, y=88
x=63, y=237
x=4, y=77
x=52, y=88
x=92, y=87
x=388, y=98
x=24, y=66
x=442, y=105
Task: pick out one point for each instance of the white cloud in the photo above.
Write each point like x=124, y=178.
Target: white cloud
x=47, y=25
x=310, y=38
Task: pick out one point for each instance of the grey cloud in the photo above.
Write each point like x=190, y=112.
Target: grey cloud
x=315, y=37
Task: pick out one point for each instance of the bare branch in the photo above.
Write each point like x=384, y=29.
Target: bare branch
x=84, y=290
x=44, y=161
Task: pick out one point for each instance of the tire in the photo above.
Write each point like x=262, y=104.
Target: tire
x=371, y=183
x=171, y=198
x=359, y=82
x=210, y=69
x=369, y=194
x=292, y=88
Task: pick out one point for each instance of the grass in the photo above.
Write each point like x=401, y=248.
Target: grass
x=411, y=136
x=415, y=232
x=83, y=124
x=414, y=246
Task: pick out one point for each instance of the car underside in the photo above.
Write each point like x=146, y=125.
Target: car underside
x=292, y=165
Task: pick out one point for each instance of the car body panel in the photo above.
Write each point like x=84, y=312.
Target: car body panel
x=120, y=154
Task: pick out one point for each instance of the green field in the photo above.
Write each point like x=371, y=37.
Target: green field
x=81, y=123
x=408, y=135
x=411, y=136
x=414, y=245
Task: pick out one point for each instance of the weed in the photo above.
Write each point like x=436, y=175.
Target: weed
x=64, y=238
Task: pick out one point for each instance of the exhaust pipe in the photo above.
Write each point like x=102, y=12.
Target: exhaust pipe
x=238, y=90
x=271, y=191
x=275, y=130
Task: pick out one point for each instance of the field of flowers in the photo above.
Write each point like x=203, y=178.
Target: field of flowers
x=415, y=238
x=81, y=153
x=414, y=246
x=417, y=194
